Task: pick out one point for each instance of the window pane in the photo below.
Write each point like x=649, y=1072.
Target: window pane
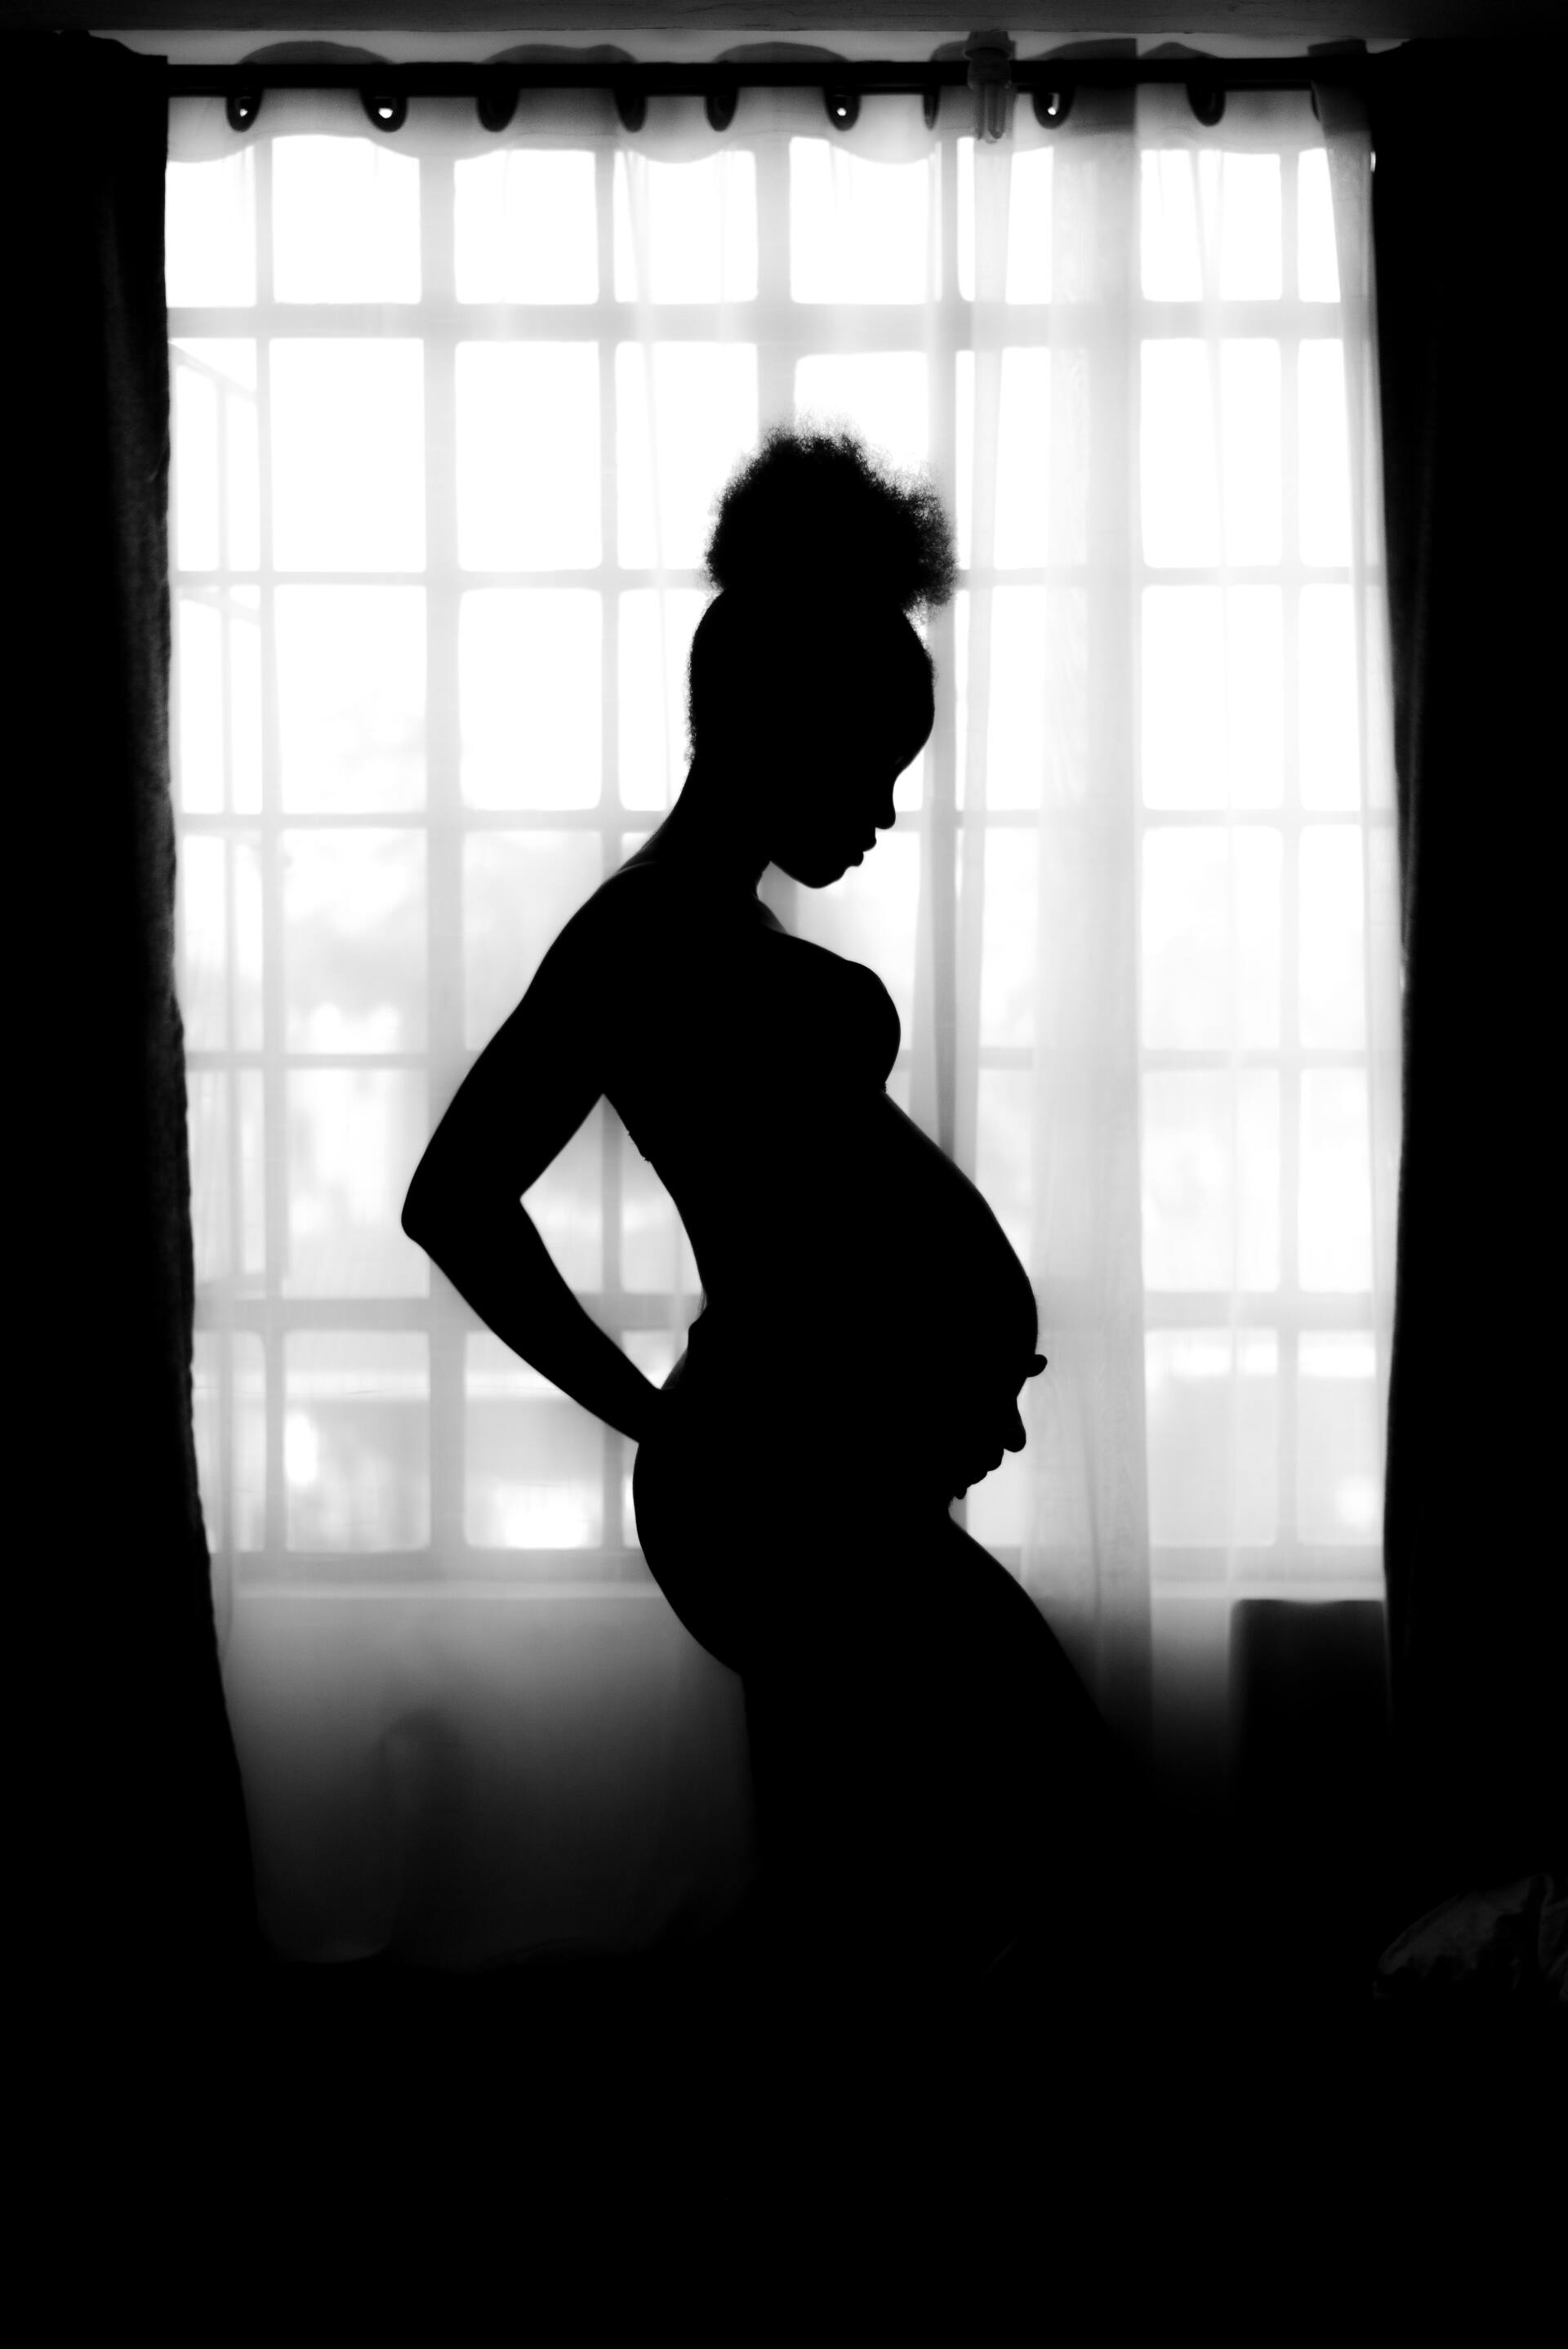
x=356, y=1440
x=228, y=1174
x=519, y=889
x=526, y=227
x=567, y=1203
x=198, y=692
x=685, y=231
x=1339, y=1489
x=348, y=455
x=859, y=231
x=210, y=232
x=1211, y=1179
x=197, y=489
x=245, y=699
x=354, y=919
x=881, y=394
x=355, y=1138
x=1023, y=730
x=674, y=461
x=216, y=495
x=219, y=886
x=346, y=221
x=528, y=456
x=1250, y=445
x=1179, y=455
x=1323, y=489
x=1009, y=938
x=1330, y=746
x=1198, y=208
x=1214, y=697
x=1331, y=932
x=228, y=1379
x=1212, y=1401
x=1210, y=938
x=1251, y=241
x=656, y=629
x=1024, y=455
x=528, y=671
x=534, y=1459
x=1317, y=259
x=1336, y=1228
x=1005, y=1149
x=1028, y=223
x=1190, y=455
x=1170, y=250
x=351, y=697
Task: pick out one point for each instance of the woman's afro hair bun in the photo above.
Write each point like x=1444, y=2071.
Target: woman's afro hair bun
x=815, y=506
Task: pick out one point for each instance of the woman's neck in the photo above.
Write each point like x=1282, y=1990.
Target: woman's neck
x=706, y=830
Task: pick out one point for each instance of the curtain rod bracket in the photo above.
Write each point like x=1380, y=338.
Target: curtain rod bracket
x=723, y=97
x=631, y=106
x=1207, y=101
x=989, y=56
x=843, y=106
x=242, y=107
x=1052, y=106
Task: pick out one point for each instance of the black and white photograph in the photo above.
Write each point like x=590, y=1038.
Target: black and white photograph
x=786, y=1501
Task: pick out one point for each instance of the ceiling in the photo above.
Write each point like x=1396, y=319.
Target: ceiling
x=205, y=29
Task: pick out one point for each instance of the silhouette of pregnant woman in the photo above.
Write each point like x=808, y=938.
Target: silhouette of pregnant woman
x=933, y=1785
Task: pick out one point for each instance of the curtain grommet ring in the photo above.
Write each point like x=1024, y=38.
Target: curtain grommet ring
x=722, y=98
x=1207, y=101
x=1052, y=106
x=495, y=102
x=843, y=107
x=631, y=105
x=241, y=109
x=384, y=110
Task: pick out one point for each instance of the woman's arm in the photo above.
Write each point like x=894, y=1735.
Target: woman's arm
x=518, y=1106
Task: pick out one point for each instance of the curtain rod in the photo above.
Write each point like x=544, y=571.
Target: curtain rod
x=1051, y=82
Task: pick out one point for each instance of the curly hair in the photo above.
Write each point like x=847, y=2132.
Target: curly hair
x=819, y=552
x=809, y=502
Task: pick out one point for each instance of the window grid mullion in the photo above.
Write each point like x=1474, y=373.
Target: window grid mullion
x=775, y=329
x=274, y=1076
x=446, y=1327
x=939, y=863
x=1288, y=1341
x=615, y=1535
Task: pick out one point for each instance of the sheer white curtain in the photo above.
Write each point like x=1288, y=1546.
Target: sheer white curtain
x=450, y=409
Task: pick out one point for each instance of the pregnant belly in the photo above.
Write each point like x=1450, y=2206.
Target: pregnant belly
x=863, y=1310
x=940, y=1271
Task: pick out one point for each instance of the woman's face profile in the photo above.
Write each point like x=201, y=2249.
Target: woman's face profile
x=834, y=761
x=829, y=807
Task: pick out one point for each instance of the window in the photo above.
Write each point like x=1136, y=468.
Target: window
x=446, y=433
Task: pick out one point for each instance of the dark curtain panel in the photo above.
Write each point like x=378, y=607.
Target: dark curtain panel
x=1468, y=224
x=143, y=1876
